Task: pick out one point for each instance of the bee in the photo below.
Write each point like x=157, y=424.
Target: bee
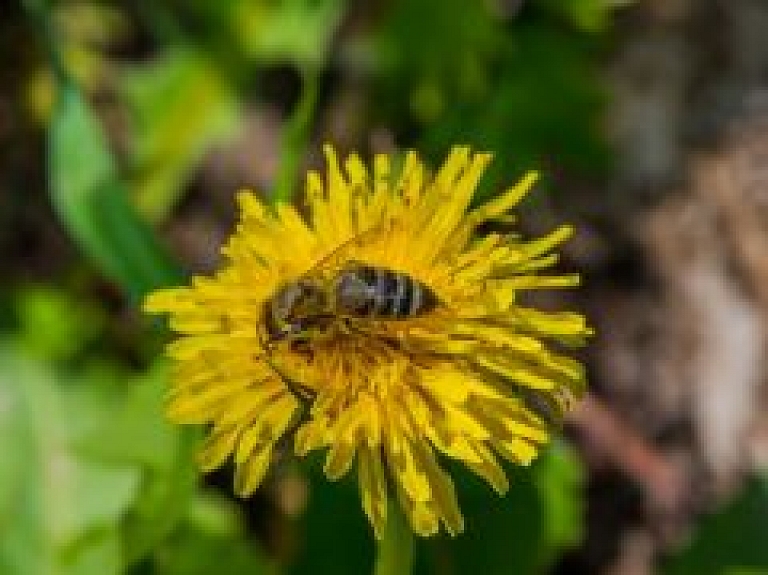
x=311, y=306
x=319, y=303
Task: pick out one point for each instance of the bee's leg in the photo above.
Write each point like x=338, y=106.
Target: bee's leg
x=302, y=347
x=402, y=341
x=345, y=326
x=354, y=329
x=350, y=327
x=302, y=393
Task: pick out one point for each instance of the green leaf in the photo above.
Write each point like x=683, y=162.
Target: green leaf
x=61, y=511
x=92, y=477
x=297, y=31
x=55, y=326
x=212, y=539
x=559, y=478
x=181, y=106
x=544, y=114
x=431, y=73
x=522, y=532
x=92, y=203
x=589, y=15
x=135, y=432
x=333, y=533
x=732, y=540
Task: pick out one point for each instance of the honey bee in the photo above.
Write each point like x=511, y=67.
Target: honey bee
x=318, y=304
x=311, y=306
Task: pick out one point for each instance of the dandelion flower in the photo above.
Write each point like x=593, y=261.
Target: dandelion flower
x=477, y=377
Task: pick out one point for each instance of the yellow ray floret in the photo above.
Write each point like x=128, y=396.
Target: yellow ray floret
x=478, y=378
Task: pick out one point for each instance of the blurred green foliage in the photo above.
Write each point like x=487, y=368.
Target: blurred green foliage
x=527, y=90
x=190, y=98
x=523, y=532
x=211, y=538
x=92, y=202
x=66, y=505
x=53, y=325
x=93, y=481
x=181, y=105
x=732, y=541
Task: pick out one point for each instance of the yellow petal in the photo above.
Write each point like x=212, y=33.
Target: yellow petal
x=490, y=470
x=217, y=448
x=412, y=479
x=516, y=450
x=250, y=474
x=169, y=300
x=444, y=500
x=506, y=201
x=424, y=520
x=373, y=489
x=339, y=460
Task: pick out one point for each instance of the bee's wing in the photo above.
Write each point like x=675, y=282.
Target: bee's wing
x=341, y=252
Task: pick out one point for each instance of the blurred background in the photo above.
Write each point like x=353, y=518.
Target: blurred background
x=127, y=128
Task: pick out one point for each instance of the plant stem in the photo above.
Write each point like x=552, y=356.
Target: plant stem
x=38, y=11
x=394, y=552
x=294, y=140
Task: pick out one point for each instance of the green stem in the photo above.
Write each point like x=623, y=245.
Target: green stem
x=394, y=553
x=294, y=141
x=38, y=11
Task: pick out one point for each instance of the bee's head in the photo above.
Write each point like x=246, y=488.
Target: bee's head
x=298, y=311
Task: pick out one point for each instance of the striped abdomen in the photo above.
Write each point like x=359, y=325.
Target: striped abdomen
x=369, y=291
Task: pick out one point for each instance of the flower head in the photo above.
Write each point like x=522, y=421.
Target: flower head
x=435, y=358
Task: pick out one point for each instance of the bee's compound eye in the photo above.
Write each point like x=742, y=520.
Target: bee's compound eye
x=286, y=299
x=294, y=328
x=312, y=295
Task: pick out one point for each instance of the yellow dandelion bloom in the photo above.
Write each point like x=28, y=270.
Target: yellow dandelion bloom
x=382, y=329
